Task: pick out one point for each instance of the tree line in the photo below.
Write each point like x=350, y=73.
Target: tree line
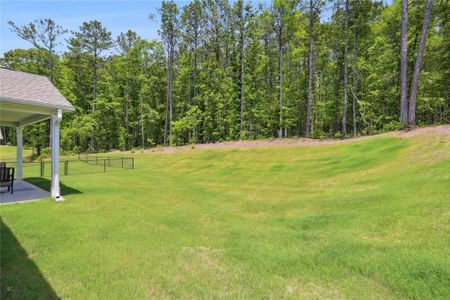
x=228, y=70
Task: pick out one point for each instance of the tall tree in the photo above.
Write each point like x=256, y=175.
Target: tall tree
x=310, y=67
x=418, y=64
x=404, y=64
x=354, y=79
x=282, y=10
x=93, y=38
x=243, y=12
x=192, y=20
x=357, y=17
x=43, y=34
x=344, y=106
x=170, y=33
x=126, y=43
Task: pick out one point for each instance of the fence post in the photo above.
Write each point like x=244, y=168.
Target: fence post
x=132, y=162
x=66, y=167
x=104, y=165
x=42, y=168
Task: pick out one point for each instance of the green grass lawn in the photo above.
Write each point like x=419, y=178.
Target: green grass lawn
x=9, y=152
x=363, y=220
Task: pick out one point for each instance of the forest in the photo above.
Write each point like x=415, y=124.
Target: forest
x=227, y=70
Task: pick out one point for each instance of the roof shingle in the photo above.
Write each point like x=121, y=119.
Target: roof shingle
x=26, y=88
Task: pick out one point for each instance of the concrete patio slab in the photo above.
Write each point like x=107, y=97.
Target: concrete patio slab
x=23, y=192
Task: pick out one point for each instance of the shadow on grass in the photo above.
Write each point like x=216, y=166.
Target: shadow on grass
x=45, y=184
x=20, y=277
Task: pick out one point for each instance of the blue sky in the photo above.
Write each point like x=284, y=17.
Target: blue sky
x=116, y=16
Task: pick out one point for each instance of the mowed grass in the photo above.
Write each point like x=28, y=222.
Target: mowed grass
x=10, y=153
x=364, y=220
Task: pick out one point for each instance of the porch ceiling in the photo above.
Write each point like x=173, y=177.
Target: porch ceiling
x=19, y=115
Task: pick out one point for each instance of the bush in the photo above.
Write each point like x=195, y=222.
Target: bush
x=67, y=152
x=77, y=149
x=392, y=125
x=45, y=152
x=318, y=134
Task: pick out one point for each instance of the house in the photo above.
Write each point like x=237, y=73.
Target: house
x=26, y=99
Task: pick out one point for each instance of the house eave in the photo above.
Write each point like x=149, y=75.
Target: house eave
x=35, y=103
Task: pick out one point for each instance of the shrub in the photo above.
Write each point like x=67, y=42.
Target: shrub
x=392, y=125
x=45, y=152
x=318, y=134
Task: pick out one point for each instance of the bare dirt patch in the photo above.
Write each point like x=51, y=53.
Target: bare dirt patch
x=438, y=131
x=435, y=130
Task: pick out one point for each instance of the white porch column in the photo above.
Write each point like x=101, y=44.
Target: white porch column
x=54, y=140
x=19, y=136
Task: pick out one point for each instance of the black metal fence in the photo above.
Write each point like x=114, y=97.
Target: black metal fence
x=108, y=161
x=82, y=164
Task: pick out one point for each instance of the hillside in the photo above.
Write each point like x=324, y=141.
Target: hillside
x=436, y=131
x=361, y=219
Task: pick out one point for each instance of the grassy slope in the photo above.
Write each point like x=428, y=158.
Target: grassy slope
x=368, y=219
x=9, y=152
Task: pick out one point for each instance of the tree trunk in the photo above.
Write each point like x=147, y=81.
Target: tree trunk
x=170, y=96
x=142, y=122
x=417, y=66
x=337, y=83
x=404, y=64
x=242, y=37
x=344, y=106
x=189, y=84
x=167, y=106
x=242, y=96
x=354, y=79
x=195, y=65
x=266, y=68
x=314, y=107
x=126, y=120
x=94, y=87
x=94, y=84
x=135, y=123
x=288, y=80
x=52, y=67
x=310, y=67
x=280, y=66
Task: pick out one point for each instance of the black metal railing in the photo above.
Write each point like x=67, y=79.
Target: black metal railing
x=108, y=161
x=74, y=166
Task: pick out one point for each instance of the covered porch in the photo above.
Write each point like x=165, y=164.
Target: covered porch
x=23, y=192
x=26, y=99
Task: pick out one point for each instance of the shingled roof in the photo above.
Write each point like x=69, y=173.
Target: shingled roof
x=31, y=89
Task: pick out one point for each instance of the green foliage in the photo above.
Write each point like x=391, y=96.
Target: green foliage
x=225, y=55
x=319, y=134
x=79, y=133
x=184, y=129
x=393, y=125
